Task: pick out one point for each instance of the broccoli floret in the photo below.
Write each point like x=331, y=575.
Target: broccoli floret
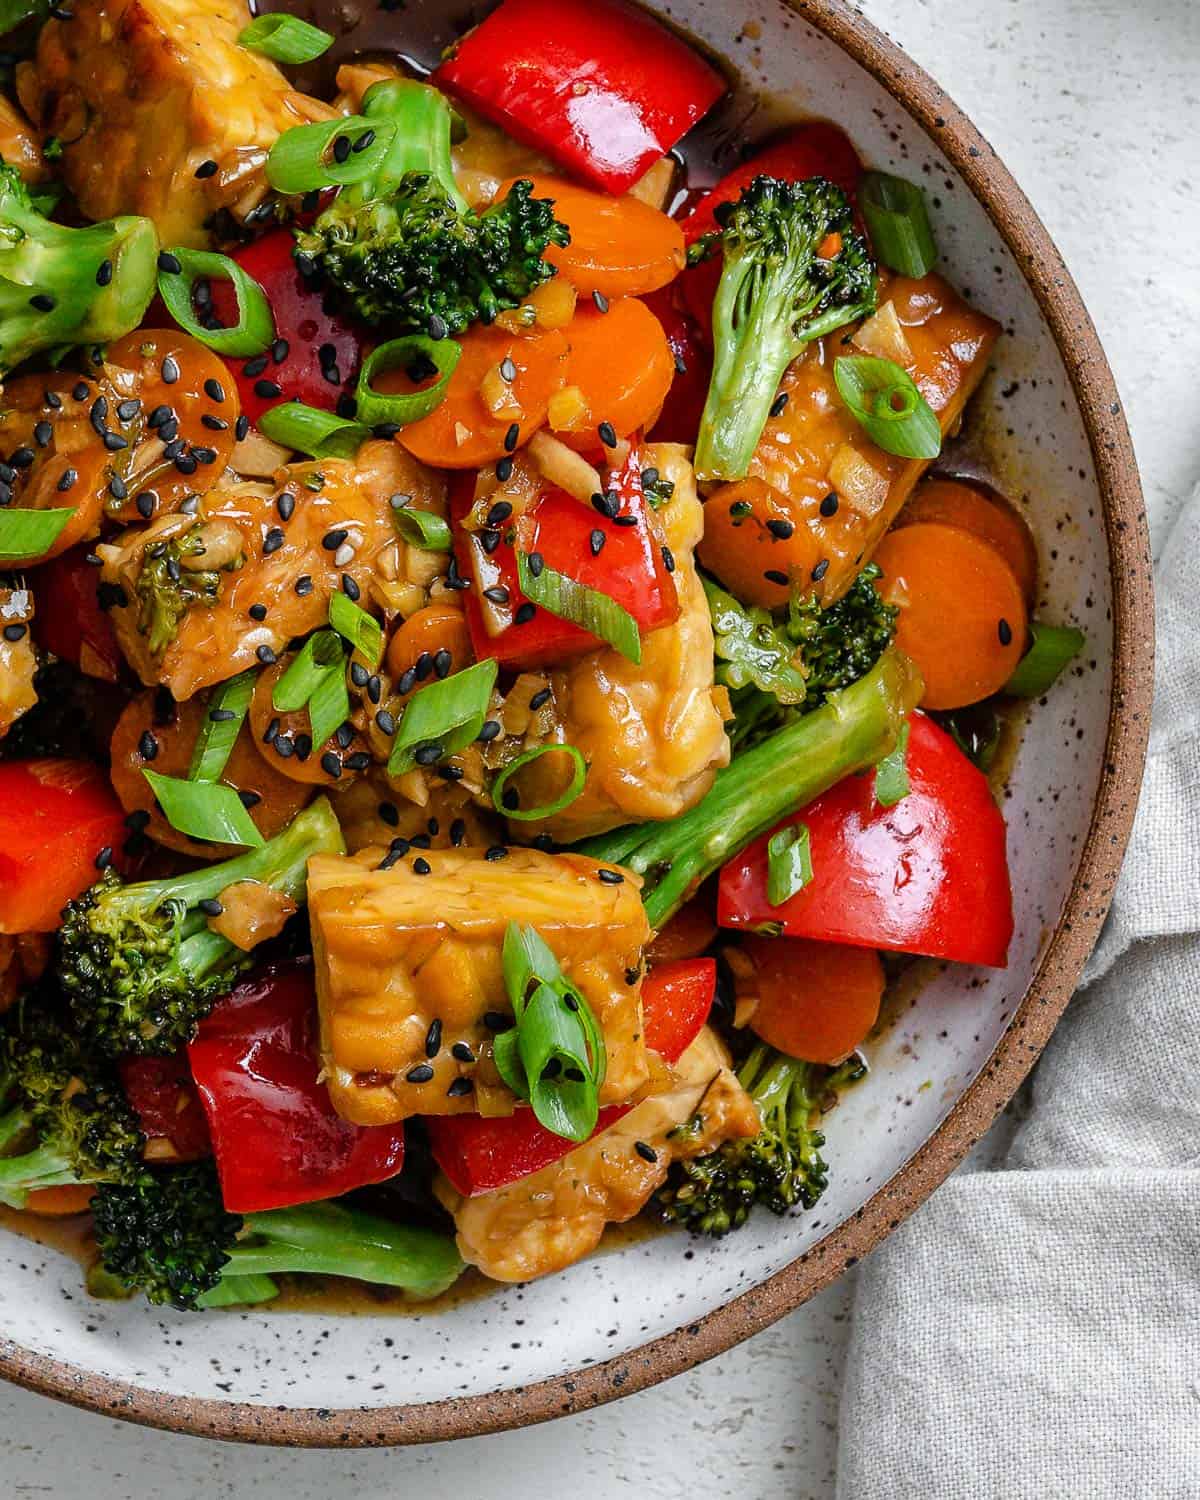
x=842, y=643
x=404, y=246
x=169, y=584
x=169, y=1236
x=854, y=730
x=139, y=963
x=65, y=1118
x=61, y=286
x=795, y=268
x=780, y=1168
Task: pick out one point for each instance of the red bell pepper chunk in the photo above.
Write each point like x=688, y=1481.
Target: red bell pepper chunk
x=679, y=420
x=598, y=85
x=56, y=818
x=479, y=1155
x=630, y=568
x=929, y=875
x=163, y=1095
x=275, y=1134
x=69, y=620
x=323, y=349
x=816, y=149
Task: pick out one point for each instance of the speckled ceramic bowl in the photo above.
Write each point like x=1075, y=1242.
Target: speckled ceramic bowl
x=1050, y=422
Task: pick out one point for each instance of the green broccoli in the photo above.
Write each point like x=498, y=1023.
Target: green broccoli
x=169, y=1236
x=65, y=1117
x=403, y=246
x=61, y=286
x=169, y=584
x=780, y=1168
x=777, y=294
x=852, y=731
x=139, y=963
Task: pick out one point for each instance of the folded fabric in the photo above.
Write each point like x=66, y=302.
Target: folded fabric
x=1034, y=1331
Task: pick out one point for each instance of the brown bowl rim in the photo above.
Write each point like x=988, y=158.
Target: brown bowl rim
x=1033, y=1020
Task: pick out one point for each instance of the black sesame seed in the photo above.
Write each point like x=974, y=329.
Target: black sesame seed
x=267, y=390
x=254, y=366
x=257, y=612
x=42, y=433
x=332, y=540
x=668, y=558
x=423, y=666
x=607, y=434
x=624, y=520
x=358, y=674
x=104, y=273
x=204, y=455
x=421, y=866
x=536, y=563
x=1004, y=631
x=460, y=1088
x=442, y=662
x=104, y=858
x=499, y=513
x=117, y=488
x=740, y=508
x=303, y=586
x=385, y=721
x=206, y=169
x=210, y=906
x=144, y=504
x=341, y=148
x=273, y=540
x=779, y=405
x=14, y=632
x=375, y=689
x=433, y=1038
x=606, y=504
x=170, y=370
x=829, y=505
x=174, y=448
x=221, y=715
x=781, y=530
x=40, y=302
x=266, y=656
x=280, y=350
x=512, y=437
x=285, y=746
x=350, y=588
x=249, y=799
x=525, y=613
x=539, y=698
x=450, y=773
x=344, y=734
x=169, y=263
x=67, y=479
x=497, y=851
x=647, y=1153
x=331, y=765
x=488, y=730
x=214, y=424
x=820, y=570
x=497, y=594
x=389, y=813
x=504, y=470
x=437, y=327
x=496, y=1020
x=241, y=427
x=347, y=407
x=462, y=1053
x=544, y=842
x=425, y=755
x=127, y=410
x=458, y=832
x=680, y=365
x=407, y=681
x=147, y=745
x=776, y=575
x=601, y=301
x=611, y=877
x=596, y=541
x=21, y=458
x=422, y=1073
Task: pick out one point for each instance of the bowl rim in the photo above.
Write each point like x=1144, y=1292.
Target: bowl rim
x=1034, y=1018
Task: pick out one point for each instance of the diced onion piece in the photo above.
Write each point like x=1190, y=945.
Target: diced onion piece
x=857, y=481
x=553, y=303
x=567, y=408
x=883, y=335
x=654, y=186
x=562, y=466
x=252, y=912
x=258, y=456
x=496, y=393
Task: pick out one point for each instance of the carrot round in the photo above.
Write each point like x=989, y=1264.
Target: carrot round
x=816, y=1001
x=436, y=628
x=302, y=768
x=58, y=1202
x=620, y=247
x=756, y=563
x=962, y=614
x=955, y=502
x=619, y=370
x=470, y=427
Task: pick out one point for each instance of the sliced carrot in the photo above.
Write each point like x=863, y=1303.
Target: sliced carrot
x=465, y=432
x=57, y=1202
x=962, y=614
x=620, y=247
x=305, y=765
x=436, y=628
x=687, y=934
x=619, y=371
x=816, y=1001
x=755, y=563
x=955, y=502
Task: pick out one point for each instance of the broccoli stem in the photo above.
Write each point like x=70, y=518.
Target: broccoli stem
x=329, y=1239
x=424, y=125
x=238, y=1291
x=854, y=730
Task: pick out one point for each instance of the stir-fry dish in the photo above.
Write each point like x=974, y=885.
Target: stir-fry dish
x=493, y=649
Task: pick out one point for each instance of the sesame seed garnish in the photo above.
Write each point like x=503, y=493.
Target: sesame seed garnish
x=497, y=851
x=780, y=530
x=512, y=437
x=680, y=365
x=67, y=480
x=776, y=575
x=829, y=505
x=204, y=455
x=496, y=1020
x=144, y=504
x=422, y=1073
x=303, y=586
x=499, y=513
x=170, y=370
x=488, y=730
x=344, y=734
x=544, y=842
x=539, y=698
x=497, y=594
x=21, y=458
x=607, y=434
x=437, y=327
x=266, y=656
x=347, y=406
x=407, y=681
x=450, y=773
x=169, y=263
x=820, y=570
x=611, y=877
x=358, y=674
x=536, y=563
x=525, y=613
x=647, y=1153
x=42, y=433
x=442, y=662
x=40, y=302
x=14, y=632
x=147, y=745
x=601, y=301
x=627, y=520
x=433, y=1038
x=104, y=858
x=267, y=390
x=241, y=427
x=206, y=169
x=210, y=906
x=1004, y=631
x=425, y=755
x=104, y=273
x=186, y=464
x=127, y=410
x=596, y=541
x=606, y=504
x=341, y=148
x=249, y=799
x=460, y=1088
x=779, y=405
x=117, y=488
x=331, y=765
x=668, y=558
x=257, y=612
x=421, y=866
x=332, y=540
x=280, y=350
x=389, y=813
x=504, y=470
x=254, y=366
x=385, y=721
x=462, y=1053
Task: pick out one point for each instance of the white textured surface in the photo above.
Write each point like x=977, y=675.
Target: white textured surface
x=1090, y=102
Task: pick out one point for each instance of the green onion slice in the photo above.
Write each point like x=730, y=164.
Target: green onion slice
x=206, y=810
x=285, y=39
x=375, y=408
x=420, y=528
x=789, y=862
x=583, y=606
x=29, y=533
x=329, y=704
x=355, y=625
x=554, y=1055
x=218, y=735
x=1053, y=646
x=14, y=13
x=254, y=330
x=898, y=223
x=887, y=405
x=527, y=815
x=300, y=159
x=891, y=774
x=448, y=714
x=319, y=653
x=309, y=430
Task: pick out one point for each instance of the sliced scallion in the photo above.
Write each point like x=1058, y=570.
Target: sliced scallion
x=374, y=407
x=447, y=714
x=206, y=810
x=309, y=430
x=789, y=863
x=1052, y=648
x=218, y=734
x=891, y=774
x=887, y=405
x=254, y=330
x=565, y=798
x=304, y=675
x=285, y=39
x=586, y=607
x=29, y=533
x=355, y=625
x=301, y=160
x=329, y=703
x=420, y=528
x=898, y=223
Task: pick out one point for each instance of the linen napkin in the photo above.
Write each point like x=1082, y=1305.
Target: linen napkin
x=1034, y=1331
